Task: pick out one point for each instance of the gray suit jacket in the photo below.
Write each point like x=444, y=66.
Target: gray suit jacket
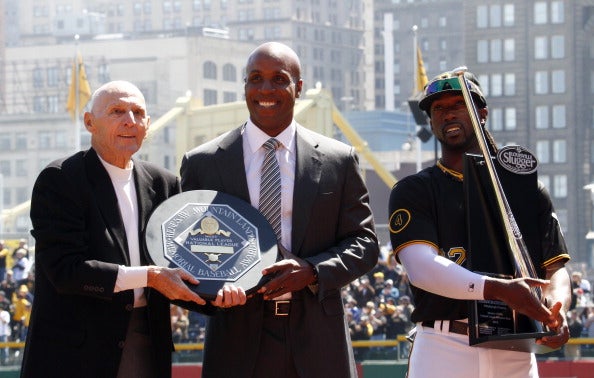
x=78, y=325
x=332, y=228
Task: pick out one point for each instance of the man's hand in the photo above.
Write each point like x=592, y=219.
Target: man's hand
x=517, y=294
x=560, y=326
x=170, y=283
x=229, y=296
x=290, y=274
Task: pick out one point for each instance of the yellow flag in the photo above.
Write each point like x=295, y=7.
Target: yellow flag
x=421, y=74
x=84, y=89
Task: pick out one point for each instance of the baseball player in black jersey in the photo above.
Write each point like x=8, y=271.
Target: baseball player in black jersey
x=429, y=237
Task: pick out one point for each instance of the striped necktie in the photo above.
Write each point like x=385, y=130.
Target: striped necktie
x=270, y=187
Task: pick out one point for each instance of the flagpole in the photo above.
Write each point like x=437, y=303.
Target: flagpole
x=77, y=97
x=415, y=60
x=415, y=86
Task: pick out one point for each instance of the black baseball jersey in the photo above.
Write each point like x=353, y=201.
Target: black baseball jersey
x=428, y=207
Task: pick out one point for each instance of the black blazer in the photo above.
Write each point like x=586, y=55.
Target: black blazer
x=332, y=227
x=78, y=324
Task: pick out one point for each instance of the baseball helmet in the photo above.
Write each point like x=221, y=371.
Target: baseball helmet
x=448, y=82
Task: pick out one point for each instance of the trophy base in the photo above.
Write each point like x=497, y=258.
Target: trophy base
x=492, y=324
x=519, y=342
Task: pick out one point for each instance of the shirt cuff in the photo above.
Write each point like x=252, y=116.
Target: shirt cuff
x=131, y=277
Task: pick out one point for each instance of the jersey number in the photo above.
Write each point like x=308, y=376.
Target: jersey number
x=456, y=254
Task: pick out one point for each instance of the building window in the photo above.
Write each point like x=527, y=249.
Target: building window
x=557, y=47
x=482, y=51
x=103, y=73
x=229, y=73
x=243, y=34
x=7, y=197
x=540, y=47
x=210, y=97
x=560, y=186
x=45, y=139
x=559, y=121
x=559, y=151
x=496, y=119
x=509, y=88
x=541, y=114
x=510, y=119
x=496, y=52
x=542, y=151
x=557, y=12
x=37, y=78
x=540, y=12
x=496, y=85
x=21, y=141
x=20, y=168
x=210, y=70
x=39, y=104
x=495, y=16
x=509, y=50
x=508, y=15
x=22, y=195
x=5, y=168
x=558, y=81
x=5, y=144
x=482, y=15
x=229, y=97
x=53, y=104
x=53, y=76
x=541, y=82
x=61, y=139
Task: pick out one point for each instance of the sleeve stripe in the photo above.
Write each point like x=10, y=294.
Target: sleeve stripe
x=561, y=257
x=412, y=242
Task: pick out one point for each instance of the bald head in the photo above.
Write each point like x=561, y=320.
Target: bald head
x=281, y=52
x=116, y=86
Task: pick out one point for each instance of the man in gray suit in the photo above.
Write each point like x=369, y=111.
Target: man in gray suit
x=100, y=308
x=295, y=325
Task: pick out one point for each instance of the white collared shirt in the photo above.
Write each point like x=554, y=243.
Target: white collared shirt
x=135, y=276
x=253, y=157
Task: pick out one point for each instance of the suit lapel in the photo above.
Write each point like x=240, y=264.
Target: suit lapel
x=308, y=171
x=230, y=164
x=107, y=201
x=145, y=199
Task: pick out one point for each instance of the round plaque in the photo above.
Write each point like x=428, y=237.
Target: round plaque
x=216, y=237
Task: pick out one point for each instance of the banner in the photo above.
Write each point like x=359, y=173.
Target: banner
x=78, y=81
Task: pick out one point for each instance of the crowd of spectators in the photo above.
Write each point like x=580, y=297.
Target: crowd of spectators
x=581, y=315
x=16, y=296
x=378, y=306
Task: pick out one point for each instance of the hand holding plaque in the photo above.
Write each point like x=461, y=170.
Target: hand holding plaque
x=218, y=238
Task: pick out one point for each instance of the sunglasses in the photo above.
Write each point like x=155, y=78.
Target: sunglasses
x=443, y=85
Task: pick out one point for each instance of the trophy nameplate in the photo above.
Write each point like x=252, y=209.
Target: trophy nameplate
x=218, y=238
